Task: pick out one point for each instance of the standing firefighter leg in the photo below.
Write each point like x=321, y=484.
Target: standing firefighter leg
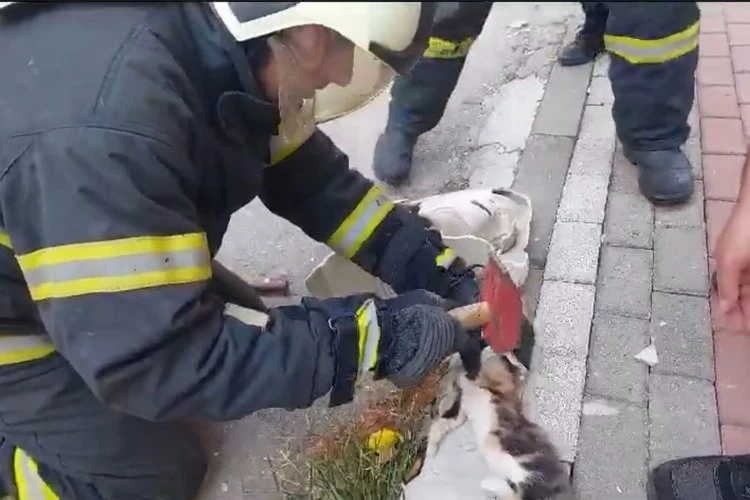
x=654, y=54
x=589, y=41
x=418, y=100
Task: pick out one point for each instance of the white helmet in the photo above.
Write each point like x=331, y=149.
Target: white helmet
x=389, y=38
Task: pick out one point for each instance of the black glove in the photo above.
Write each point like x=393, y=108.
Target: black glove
x=416, y=334
x=401, y=339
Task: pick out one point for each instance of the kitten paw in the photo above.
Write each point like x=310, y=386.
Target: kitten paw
x=501, y=489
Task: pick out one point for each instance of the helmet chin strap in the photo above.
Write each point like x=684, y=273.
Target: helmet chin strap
x=295, y=110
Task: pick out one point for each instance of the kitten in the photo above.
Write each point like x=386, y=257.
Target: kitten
x=488, y=393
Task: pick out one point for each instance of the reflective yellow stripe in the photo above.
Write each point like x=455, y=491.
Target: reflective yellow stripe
x=445, y=259
x=30, y=485
x=5, y=239
x=360, y=223
x=637, y=51
x=437, y=48
x=116, y=265
x=369, y=336
x=22, y=348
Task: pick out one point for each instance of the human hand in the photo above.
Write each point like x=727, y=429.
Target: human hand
x=732, y=278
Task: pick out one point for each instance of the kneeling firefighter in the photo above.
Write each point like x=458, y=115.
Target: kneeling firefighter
x=131, y=133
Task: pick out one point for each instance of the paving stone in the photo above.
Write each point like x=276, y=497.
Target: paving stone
x=739, y=34
x=574, y=252
x=722, y=176
x=584, y=198
x=742, y=84
x=681, y=327
x=680, y=260
x=597, y=123
x=714, y=45
x=733, y=378
x=600, y=91
x=692, y=149
x=560, y=110
x=723, y=136
x=686, y=215
x=624, y=437
x=715, y=71
x=737, y=12
x=601, y=65
x=541, y=174
x=629, y=221
x=718, y=101
x=555, y=390
x=531, y=289
x=740, y=57
x=613, y=371
x=735, y=440
x=563, y=318
x=712, y=23
x=682, y=418
x=624, y=174
x=745, y=114
x=593, y=156
x=717, y=215
x=624, y=282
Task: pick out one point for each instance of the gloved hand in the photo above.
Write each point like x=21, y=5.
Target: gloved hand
x=401, y=339
x=416, y=334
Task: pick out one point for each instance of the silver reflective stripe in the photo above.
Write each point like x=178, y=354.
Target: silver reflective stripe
x=359, y=225
x=30, y=485
x=367, y=323
x=653, y=50
x=21, y=348
x=117, y=266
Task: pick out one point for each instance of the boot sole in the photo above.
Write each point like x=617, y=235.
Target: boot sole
x=659, y=200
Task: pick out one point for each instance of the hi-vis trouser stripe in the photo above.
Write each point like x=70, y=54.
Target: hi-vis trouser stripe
x=360, y=223
x=21, y=348
x=637, y=51
x=437, y=48
x=5, y=240
x=28, y=482
x=116, y=265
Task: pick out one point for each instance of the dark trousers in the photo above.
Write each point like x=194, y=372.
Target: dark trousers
x=418, y=99
x=83, y=450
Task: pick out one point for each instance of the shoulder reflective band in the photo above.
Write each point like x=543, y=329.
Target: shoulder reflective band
x=637, y=51
x=437, y=48
x=21, y=348
x=28, y=481
x=360, y=223
x=114, y=266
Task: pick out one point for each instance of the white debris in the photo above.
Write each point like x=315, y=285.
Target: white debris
x=599, y=409
x=224, y=487
x=649, y=355
x=517, y=25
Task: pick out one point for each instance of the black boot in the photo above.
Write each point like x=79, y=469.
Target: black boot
x=701, y=478
x=417, y=104
x=393, y=155
x=582, y=50
x=665, y=177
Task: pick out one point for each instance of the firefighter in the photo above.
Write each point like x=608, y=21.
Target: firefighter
x=131, y=133
x=653, y=50
x=418, y=99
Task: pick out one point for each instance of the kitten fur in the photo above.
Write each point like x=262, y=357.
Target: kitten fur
x=487, y=391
